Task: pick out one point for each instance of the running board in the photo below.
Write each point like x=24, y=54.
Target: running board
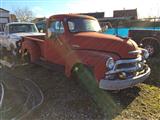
x=51, y=66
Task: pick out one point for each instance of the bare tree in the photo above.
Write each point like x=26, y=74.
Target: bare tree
x=24, y=14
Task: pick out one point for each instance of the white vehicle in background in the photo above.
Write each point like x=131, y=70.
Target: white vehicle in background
x=14, y=32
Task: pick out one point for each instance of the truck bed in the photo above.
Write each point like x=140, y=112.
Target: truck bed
x=38, y=40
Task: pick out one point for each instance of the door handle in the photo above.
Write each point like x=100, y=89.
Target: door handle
x=76, y=46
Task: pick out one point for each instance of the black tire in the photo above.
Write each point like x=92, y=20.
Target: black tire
x=75, y=73
x=79, y=71
x=26, y=57
x=152, y=46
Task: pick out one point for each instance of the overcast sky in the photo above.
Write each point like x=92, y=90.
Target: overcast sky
x=46, y=8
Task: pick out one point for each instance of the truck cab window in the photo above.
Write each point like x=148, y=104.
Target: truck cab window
x=71, y=26
x=57, y=27
x=25, y=28
x=83, y=25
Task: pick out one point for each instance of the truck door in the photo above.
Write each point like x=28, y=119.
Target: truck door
x=55, y=44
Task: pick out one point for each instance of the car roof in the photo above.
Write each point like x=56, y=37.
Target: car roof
x=67, y=16
x=12, y=23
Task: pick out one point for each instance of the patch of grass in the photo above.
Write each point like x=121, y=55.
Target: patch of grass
x=154, y=64
x=145, y=106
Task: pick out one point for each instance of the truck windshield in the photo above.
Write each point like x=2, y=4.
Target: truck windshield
x=83, y=25
x=17, y=28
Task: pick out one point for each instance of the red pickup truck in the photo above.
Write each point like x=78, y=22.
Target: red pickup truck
x=73, y=41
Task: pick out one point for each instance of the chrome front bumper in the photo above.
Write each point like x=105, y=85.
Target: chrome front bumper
x=116, y=83
x=122, y=84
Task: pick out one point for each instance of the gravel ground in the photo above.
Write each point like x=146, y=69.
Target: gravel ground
x=63, y=99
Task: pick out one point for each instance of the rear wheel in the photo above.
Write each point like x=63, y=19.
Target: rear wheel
x=26, y=57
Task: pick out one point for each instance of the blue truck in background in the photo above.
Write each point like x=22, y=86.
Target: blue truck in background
x=147, y=37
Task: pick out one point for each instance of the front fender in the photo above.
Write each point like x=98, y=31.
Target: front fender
x=95, y=60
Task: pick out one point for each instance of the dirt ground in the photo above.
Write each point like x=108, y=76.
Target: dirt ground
x=64, y=99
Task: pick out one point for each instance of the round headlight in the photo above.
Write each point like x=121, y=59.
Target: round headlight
x=110, y=63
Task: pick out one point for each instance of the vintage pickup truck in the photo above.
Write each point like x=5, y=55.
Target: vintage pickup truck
x=13, y=33
x=75, y=43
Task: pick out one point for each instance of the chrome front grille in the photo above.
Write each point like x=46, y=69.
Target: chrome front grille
x=125, y=65
x=131, y=65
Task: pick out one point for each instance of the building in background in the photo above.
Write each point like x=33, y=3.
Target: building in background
x=132, y=14
x=13, y=18
x=121, y=18
x=6, y=17
x=97, y=15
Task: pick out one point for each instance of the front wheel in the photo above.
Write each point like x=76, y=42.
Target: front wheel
x=84, y=76
x=80, y=72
